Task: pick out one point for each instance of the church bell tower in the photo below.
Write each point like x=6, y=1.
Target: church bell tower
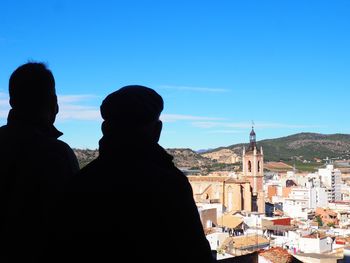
x=253, y=170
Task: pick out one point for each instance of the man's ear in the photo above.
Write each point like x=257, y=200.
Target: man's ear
x=56, y=104
x=53, y=110
x=11, y=102
x=158, y=130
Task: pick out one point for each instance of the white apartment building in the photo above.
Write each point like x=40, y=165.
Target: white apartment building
x=308, y=242
x=331, y=178
x=306, y=197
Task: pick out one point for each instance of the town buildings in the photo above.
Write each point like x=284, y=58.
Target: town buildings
x=300, y=217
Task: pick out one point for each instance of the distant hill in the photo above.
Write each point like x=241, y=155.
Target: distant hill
x=85, y=156
x=183, y=158
x=188, y=158
x=223, y=156
x=297, y=147
x=203, y=150
x=301, y=146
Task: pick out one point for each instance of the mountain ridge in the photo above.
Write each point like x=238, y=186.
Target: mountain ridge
x=305, y=146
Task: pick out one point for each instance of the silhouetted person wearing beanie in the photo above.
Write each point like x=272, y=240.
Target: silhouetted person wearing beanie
x=133, y=203
x=34, y=166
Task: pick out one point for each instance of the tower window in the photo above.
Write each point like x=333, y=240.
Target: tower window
x=249, y=166
x=258, y=166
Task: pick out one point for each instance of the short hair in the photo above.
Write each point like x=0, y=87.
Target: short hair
x=132, y=105
x=31, y=87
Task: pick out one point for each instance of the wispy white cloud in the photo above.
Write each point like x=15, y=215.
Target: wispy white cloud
x=4, y=102
x=179, y=117
x=225, y=131
x=63, y=99
x=243, y=125
x=215, y=124
x=72, y=109
x=195, y=89
x=80, y=113
x=75, y=107
x=4, y=105
x=285, y=125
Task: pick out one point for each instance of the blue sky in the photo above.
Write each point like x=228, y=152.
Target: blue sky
x=217, y=64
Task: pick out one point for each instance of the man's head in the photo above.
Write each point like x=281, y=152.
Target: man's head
x=132, y=109
x=32, y=91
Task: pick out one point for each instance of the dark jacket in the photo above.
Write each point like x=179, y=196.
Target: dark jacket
x=133, y=203
x=34, y=167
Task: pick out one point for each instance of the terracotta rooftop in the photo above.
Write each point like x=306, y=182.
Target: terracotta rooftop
x=245, y=242
x=207, y=178
x=277, y=254
x=210, y=230
x=319, y=235
x=216, y=179
x=277, y=165
x=280, y=228
x=236, y=181
x=229, y=220
x=326, y=211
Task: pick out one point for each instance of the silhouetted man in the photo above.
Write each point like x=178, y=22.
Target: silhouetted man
x=132, y=202
x=34, y=166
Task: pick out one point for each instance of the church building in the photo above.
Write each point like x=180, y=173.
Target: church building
x=242, y=192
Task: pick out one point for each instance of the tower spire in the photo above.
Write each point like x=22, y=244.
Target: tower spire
x=252, y=138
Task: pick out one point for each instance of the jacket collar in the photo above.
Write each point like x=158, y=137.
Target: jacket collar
x=15, y=119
